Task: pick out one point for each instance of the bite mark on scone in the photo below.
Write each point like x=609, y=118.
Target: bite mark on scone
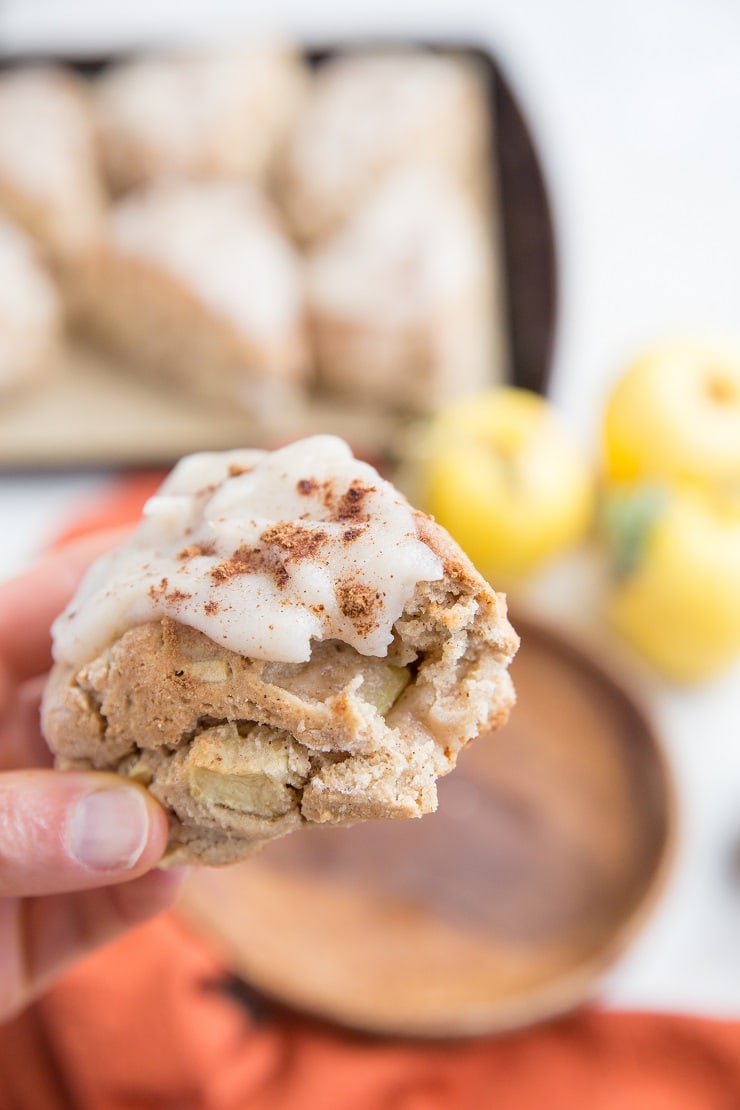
x=246, y=750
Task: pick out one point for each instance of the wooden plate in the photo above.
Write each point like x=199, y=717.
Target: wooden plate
x=548, y=849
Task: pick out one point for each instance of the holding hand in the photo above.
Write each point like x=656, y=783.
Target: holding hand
x=76, y=848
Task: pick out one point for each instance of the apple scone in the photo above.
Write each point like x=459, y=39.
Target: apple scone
x=49, y=179
x=404, y=300
x=372, y=112
x=30, y=313
x=196, y=285
x=222, y=112
x=283, y=642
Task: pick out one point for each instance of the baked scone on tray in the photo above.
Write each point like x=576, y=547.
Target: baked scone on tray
x=219, y=112
x=196, y=286
x=282, y=642
x=30, y=313
x=404, y=301
x=49, y=178
x=372, y=112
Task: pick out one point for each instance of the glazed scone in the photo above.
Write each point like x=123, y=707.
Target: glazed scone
x=404, y=300
x=49, y=178
x=223, y=112
x=30, y=313
x=371, y=113
x=196, y=285
x=283, y=642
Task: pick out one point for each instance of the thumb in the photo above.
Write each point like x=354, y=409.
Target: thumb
x=64, y=831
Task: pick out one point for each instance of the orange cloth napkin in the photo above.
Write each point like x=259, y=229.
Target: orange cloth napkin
x=147, y=1023
x=150, y=1022
x=118, y=504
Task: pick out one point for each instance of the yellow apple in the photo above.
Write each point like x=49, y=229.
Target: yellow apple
x=675, y=416
x=501, y=473
x=676, y=589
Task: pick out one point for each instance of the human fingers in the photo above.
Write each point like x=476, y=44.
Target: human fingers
x=41, y=937
x=22, y=743
x=30, y=602
x=63, y=831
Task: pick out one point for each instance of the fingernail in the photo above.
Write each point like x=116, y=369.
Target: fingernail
x=108, y=829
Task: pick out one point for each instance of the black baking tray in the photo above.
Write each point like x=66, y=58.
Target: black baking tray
x=526, y=227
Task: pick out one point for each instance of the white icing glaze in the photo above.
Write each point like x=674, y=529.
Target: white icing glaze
x=221, y=240
x=371, y=108
x=29, y=305
x=263, y=552
x=239, y=99
x=46, y=138
x=26, y=292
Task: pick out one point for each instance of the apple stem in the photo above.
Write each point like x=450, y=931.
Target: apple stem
x=721, y=391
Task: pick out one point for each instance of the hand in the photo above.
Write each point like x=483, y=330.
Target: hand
x=76, y=848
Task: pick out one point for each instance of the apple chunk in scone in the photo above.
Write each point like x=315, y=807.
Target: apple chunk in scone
x=284, y=641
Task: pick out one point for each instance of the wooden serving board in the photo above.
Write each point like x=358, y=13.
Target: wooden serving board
x=551, y=841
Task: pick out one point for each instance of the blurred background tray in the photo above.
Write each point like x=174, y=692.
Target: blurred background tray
x=550, y=845
x=91, y=416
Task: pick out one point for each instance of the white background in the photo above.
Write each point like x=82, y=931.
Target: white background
x=635, y=109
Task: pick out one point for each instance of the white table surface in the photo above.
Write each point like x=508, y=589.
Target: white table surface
x=635, y=110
